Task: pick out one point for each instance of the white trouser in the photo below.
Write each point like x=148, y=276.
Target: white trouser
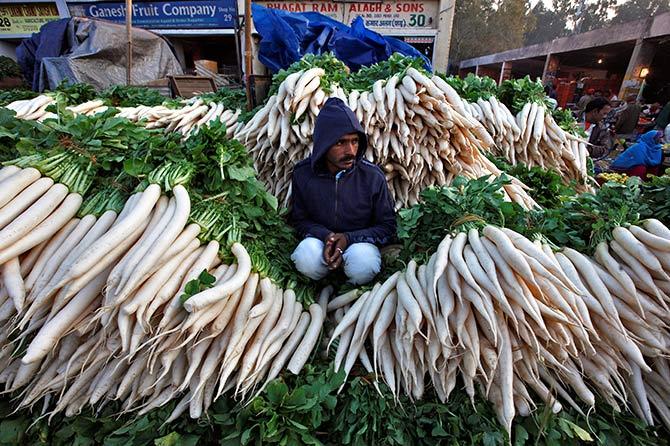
x=362, y=261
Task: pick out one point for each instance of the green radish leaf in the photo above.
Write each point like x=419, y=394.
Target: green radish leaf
x=581, y=433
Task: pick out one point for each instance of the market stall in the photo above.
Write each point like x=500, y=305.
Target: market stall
x=199, y=30
x=147, y=273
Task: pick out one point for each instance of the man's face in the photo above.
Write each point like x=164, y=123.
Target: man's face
x=342, y=154
x=599, y=115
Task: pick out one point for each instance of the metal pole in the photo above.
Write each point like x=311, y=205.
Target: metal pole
x=247, y=52
x=129, y=35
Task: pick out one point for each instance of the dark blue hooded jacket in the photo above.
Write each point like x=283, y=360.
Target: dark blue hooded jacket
x=356, y=201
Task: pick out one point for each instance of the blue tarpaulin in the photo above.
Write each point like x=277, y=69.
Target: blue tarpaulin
x=286, y=37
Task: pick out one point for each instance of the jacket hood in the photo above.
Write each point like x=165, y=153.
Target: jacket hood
x=334, y=121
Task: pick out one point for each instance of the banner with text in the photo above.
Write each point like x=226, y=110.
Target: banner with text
x=386, y=14
x=26, y=18
x=203, y=14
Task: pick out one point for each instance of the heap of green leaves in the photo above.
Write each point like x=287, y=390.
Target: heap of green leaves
x=396, y=64
x=78, y=150
x=515, y=93
x=307, y=409
x=9, y=68
x=16, y=94
x=68, y=93
x=231, y=98
x=131, y=96
x=565, y=120
x=472, y=87
x=12, y=130
x=656, y=192
x=336, y=71
x=579, y=221
x=463, y=205
x=546, y=185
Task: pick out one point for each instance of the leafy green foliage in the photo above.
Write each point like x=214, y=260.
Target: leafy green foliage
x=131, y=96
x=9, y=96
x=472, y=87
x=515, y=93
x=9, y=68
x=396, y=64
x=546, y=185
x=232, y=99
x=579, y=221
x=336, y=71
x=459, y=207
x=11, y=132
x=67, y=93
x=76, y=150
x=567, y=121
x=657, y=194
x=195, y=286
x=289, y=412
x=306, y=409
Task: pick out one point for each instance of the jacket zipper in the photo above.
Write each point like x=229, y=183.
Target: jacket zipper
x=337, y=180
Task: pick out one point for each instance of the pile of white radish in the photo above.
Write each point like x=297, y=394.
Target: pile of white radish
x=533, y=138
x=418, y=131
x=93, y=305
x=186, y=120
x=34, y=109
x=521, y=323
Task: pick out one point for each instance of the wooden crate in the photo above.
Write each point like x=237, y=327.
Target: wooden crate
x=189, y=86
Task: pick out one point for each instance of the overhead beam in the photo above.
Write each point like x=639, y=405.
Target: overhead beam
x=631, y=31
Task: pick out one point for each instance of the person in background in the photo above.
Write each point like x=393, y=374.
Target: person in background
x=581, y=104
x=342, y=206
x=599, y=135
x=663, y=118
x=642, y=158
x=628, y=117
x=610, y=96
x=598, y=94
x=550, y=91
x=652, y=110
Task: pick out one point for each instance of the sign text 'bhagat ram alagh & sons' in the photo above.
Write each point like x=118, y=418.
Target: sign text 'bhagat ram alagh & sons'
x=162, y=15
x=408, y=14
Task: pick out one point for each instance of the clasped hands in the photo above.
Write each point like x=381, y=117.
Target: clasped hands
x=335, y=246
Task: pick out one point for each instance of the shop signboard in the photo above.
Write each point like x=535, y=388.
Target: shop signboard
x=325, y=7
x=404, y=14
x=26, y=18
x=378, y=15
x=188, y=14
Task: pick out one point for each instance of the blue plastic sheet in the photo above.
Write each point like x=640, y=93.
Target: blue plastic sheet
x=49, y=42
x=286, y=37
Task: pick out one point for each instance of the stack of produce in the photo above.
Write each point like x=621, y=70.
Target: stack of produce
x=418, y=130
x=533, y=137
x=508, y=315
x=184, y=120
x=33, y=109
x=141, y=104
x=511, y=316
x=144, y=297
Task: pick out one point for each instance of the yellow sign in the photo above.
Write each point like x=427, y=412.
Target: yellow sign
x=26, y=18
